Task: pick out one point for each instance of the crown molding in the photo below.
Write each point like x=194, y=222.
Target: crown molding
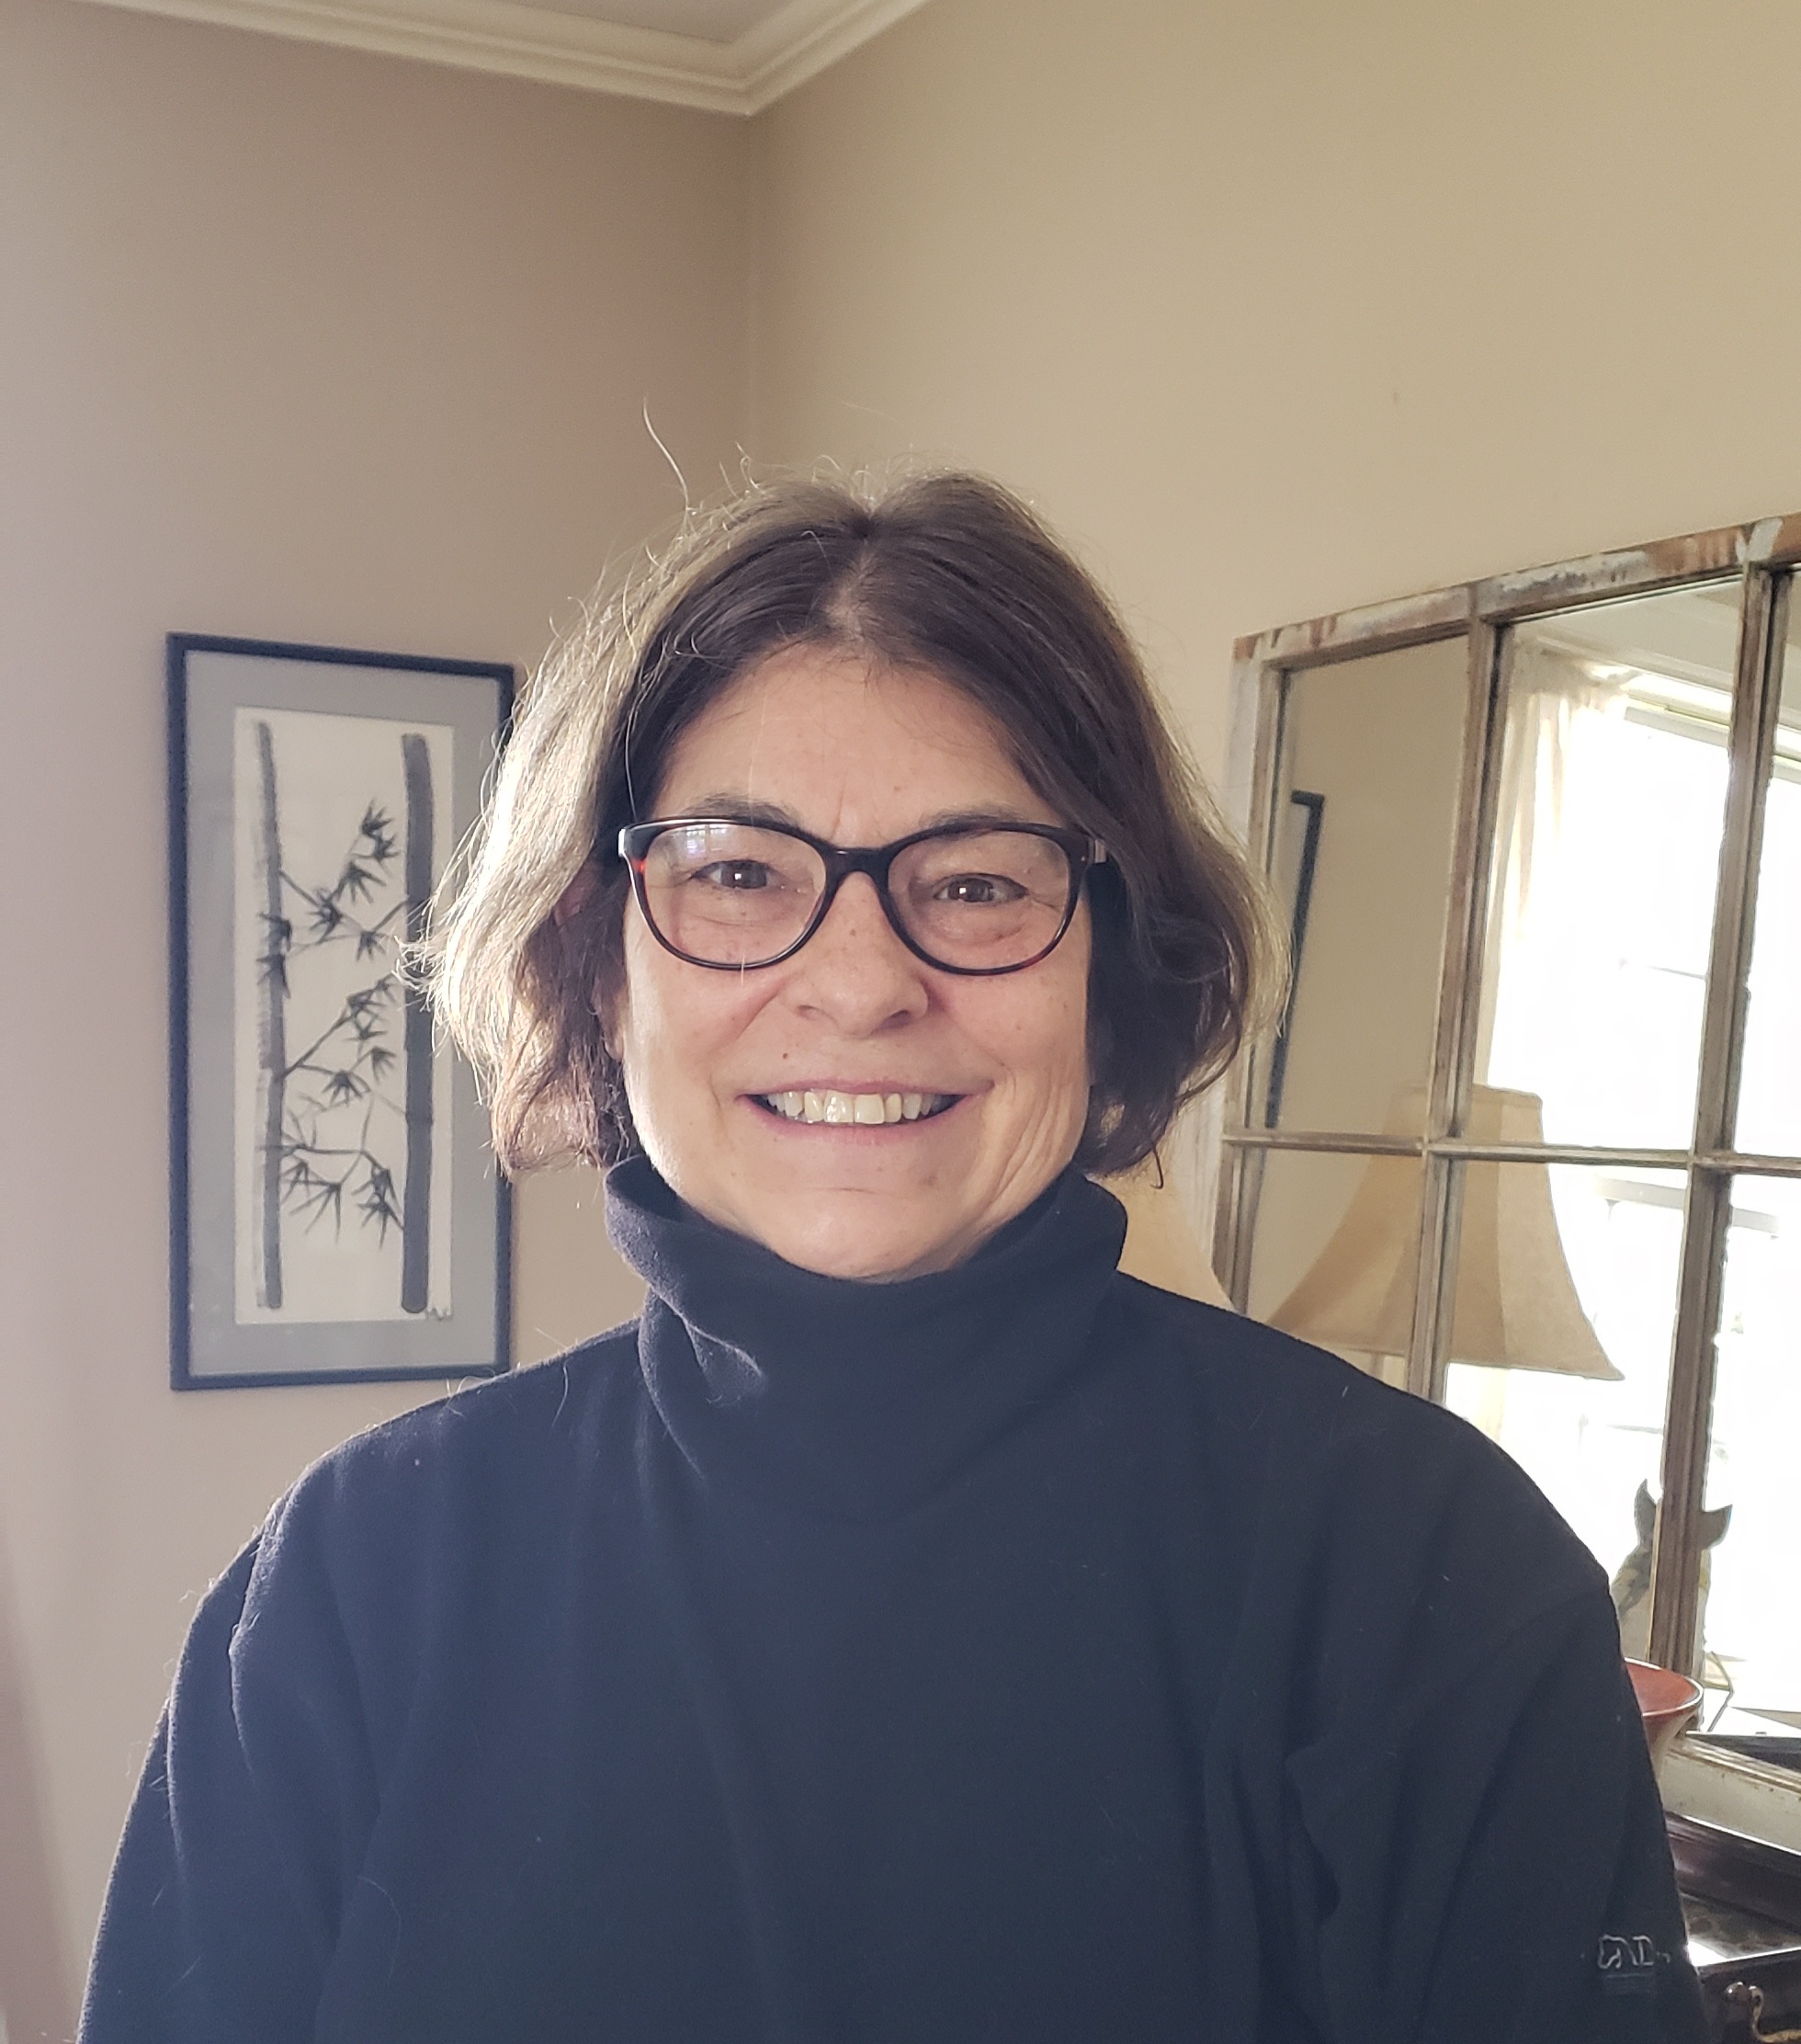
x=802, y=38
x=521, y=40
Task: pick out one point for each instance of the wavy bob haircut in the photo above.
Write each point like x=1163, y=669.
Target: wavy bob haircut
x=948, y=572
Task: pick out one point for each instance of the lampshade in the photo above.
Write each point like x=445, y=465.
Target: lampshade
x=1516, y=1306
x=1161, y=1246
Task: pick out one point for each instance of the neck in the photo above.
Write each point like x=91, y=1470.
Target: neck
x=851, y=1399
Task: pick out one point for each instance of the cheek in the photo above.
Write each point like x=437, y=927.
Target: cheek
x=1067, y=1027
x=1068, y=1045
x=670, y=1021
x=1040, y=1040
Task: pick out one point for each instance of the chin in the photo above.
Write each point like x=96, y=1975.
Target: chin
x=833, y=1246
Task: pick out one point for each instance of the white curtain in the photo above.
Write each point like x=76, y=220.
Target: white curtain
x=1553, y=950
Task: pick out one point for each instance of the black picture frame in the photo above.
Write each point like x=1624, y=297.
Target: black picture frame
x=1298, y=864
x=336, y=1215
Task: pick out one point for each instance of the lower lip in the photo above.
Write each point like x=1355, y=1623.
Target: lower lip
x=868, y=1131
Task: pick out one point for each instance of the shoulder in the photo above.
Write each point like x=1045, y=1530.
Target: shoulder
x=373, y=1566
x=488, y=1463
x=1258, y=1379
x=1368, y=1494
x=1265, y=1384
x=476, y=1426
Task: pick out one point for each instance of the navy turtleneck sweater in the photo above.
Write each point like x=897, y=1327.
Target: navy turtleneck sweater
x=1015, y=1653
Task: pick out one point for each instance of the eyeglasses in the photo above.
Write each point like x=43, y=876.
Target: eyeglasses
x=974, y=898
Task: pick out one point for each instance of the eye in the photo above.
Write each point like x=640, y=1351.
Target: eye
x=735, y=875
x=978, y=890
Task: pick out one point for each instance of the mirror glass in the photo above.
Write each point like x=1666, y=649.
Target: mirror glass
x=1753, y=1505
x=1567, y=1279
x=1605, y=862
x=1769, y=1119
x=1364, y=808
x=1335, y=1251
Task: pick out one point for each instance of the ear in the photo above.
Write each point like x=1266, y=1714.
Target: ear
x=1644, y=1512
x=571, y=903
x=607, y=1013
x=576, y=896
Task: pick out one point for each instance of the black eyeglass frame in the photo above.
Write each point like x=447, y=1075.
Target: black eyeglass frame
x=1083, y=851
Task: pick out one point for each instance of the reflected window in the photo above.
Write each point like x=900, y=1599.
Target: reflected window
x=1607, y=842
x=1748, y=1601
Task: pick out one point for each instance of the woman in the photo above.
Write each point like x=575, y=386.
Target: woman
x=911, y=1630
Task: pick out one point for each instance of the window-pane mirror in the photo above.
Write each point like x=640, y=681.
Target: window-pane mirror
x=1551, y=906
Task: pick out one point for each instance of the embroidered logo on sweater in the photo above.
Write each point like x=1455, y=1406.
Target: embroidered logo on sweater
x=1628, y=1965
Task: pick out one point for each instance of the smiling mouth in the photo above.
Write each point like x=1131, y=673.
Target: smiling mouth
x=868, y=1110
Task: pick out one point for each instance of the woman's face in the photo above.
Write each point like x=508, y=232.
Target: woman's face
x=858, y=756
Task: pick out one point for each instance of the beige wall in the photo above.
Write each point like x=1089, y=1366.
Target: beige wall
x=298, y=344
x=1279, y=305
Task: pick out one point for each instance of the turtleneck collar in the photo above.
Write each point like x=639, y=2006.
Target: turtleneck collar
x=853, y=1400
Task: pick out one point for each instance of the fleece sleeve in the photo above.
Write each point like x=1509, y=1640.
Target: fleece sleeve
x=200, y=1928
x=222, y=1910
x=1496, y=1869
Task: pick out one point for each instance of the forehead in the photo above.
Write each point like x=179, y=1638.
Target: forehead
x=850, y=746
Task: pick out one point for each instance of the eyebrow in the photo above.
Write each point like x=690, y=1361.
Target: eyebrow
x=741, y=809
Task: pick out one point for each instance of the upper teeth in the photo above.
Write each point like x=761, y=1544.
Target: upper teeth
x=866, y=1108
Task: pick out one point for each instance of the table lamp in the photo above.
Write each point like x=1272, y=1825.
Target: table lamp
x=1516, y=1306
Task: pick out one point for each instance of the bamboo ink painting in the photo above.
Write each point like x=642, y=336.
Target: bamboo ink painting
x=343, y=1142
x=336, y=1211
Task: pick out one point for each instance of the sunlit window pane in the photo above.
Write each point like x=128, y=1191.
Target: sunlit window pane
x=1566, y=1275
x=1752, y=1596
x=1606, y=863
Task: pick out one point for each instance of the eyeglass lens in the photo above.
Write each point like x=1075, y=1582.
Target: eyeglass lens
x=735, y=894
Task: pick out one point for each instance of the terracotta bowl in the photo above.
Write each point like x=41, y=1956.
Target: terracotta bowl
x=1668, y=1700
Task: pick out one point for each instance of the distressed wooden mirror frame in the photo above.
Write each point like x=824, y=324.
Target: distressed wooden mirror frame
x=1765, y=557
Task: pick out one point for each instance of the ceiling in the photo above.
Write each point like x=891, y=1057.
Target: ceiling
x=727, y=56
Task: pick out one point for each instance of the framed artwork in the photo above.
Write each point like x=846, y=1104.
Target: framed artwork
x=336, y=1214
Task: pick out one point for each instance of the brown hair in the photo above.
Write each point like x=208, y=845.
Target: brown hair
x=948, y=572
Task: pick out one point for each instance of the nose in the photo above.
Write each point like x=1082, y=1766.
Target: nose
x=853, y=971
